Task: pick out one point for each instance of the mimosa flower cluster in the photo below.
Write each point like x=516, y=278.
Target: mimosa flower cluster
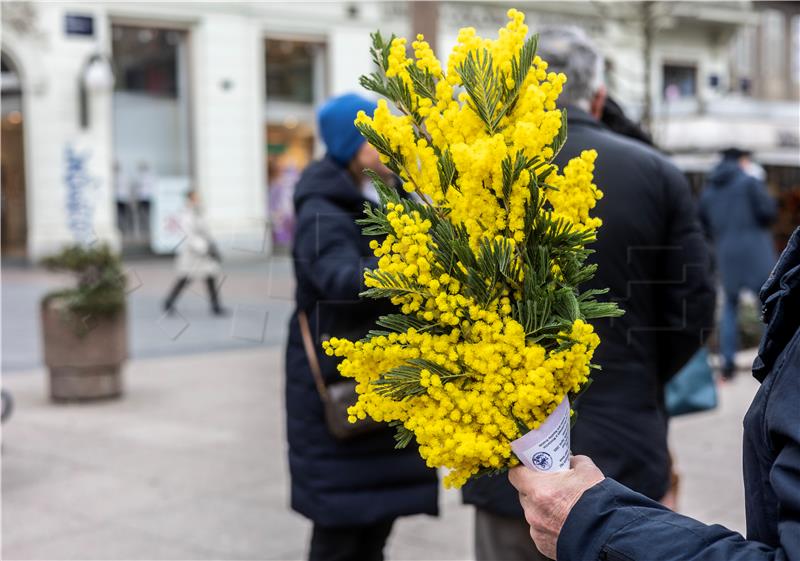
x=483, y=256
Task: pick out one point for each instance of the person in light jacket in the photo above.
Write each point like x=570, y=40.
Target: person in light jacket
x=197, y=256
x=581, y=515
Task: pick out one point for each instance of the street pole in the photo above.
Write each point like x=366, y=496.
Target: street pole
x=424, y=18
x=648, y=33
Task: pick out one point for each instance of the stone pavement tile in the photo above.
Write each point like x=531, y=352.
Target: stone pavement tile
x=107, y=541
x=199, y=400
x=421, y=538
x=280, y=278
x=266, y=287
x=97, y=495
x=269, y=490
x=250, y=322
x=228, y=528
x=23, y=469
x=195, y=458
x=161, y=455
x=27, y=522
x=707, y=449
x=447, y=537
x=180, y=471
x=728, y=512
x=709, y=495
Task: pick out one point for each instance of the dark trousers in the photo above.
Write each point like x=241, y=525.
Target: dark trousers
x=183, y=282
x=351, y=543
x=143, y=215
x=124, y=218
x=500, y=538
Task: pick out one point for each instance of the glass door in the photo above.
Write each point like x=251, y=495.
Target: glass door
x=295, y=86
x=152, y=147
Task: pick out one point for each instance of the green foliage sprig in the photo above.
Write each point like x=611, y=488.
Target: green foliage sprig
x=100, y=286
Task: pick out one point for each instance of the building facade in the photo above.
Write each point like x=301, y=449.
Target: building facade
x=112, y=110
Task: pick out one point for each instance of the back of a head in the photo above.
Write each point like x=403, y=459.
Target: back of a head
x=337, y=128
x=569, y=50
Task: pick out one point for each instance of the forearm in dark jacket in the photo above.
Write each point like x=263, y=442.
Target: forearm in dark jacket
x=686, y=290
x=612, y=523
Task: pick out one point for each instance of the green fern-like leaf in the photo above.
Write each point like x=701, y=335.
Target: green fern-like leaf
x=424, y=82
x=447, y=171
x=390, y=285
x=561, y=137
x=402, y=437
x=403, y=381
x=400, y=323
x=480, y=81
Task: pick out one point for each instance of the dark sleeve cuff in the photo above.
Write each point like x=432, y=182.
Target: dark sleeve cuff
x=612, y=522
x=595, y=518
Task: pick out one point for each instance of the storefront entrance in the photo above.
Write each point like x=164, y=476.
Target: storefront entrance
x=13, y=205
x=295, y=75
x=152, y=147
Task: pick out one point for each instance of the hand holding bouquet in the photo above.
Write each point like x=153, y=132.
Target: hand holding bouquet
x=484, y=262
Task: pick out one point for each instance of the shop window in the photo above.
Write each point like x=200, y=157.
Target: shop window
x=680, y=81
x=152, y=136
x=290, y=147
x=146, y=60
x=295, y=86
x=13, y=222
x=290, y=70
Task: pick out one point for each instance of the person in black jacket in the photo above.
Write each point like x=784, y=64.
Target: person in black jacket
x=351, y=490
x=615, y=119
x=652, y=255
x=580, y=515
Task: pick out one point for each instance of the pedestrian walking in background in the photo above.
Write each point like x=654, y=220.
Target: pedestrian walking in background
x=122, y=194
x=652, y=255
x=351, y=490
x=736, y=212
x=197, y=257
x=143, y=188
x=580, y=515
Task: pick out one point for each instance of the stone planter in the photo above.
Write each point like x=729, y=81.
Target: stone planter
x=84, y=357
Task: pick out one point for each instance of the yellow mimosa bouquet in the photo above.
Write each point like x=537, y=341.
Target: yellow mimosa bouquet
x=483, y=259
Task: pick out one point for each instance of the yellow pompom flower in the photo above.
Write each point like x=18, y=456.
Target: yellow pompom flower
x=482, y=261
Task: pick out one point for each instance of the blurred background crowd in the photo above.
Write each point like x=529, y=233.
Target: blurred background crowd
x=182, y=128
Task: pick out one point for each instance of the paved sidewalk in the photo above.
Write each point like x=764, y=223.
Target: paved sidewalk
x=191, y=464
x=258, y=294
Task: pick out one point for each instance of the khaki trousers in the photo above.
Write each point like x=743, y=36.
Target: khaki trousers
x=500, y=538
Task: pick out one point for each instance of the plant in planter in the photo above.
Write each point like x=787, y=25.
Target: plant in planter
x=84, y=328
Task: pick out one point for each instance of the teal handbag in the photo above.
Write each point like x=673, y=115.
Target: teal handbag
x=692, y=389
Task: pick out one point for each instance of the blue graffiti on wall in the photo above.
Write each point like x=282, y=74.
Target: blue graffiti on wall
x=80, y=195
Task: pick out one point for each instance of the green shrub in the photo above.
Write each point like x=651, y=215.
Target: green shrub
x=100, y=289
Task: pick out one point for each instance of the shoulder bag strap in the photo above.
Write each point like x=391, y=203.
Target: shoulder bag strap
x=311, y=354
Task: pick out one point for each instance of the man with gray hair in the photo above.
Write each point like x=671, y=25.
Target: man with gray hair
x=652, y=256
x=569, y=50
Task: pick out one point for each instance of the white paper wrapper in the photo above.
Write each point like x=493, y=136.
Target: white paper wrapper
x=547, y=448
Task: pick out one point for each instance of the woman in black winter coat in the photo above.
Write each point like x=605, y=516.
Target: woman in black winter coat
x=351, y=490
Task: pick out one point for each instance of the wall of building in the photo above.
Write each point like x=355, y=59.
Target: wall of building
x=228, y=104
x=227, y=84
x=49, y=64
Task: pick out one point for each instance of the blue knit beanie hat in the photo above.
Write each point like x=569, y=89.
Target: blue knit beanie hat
x=339, y=133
